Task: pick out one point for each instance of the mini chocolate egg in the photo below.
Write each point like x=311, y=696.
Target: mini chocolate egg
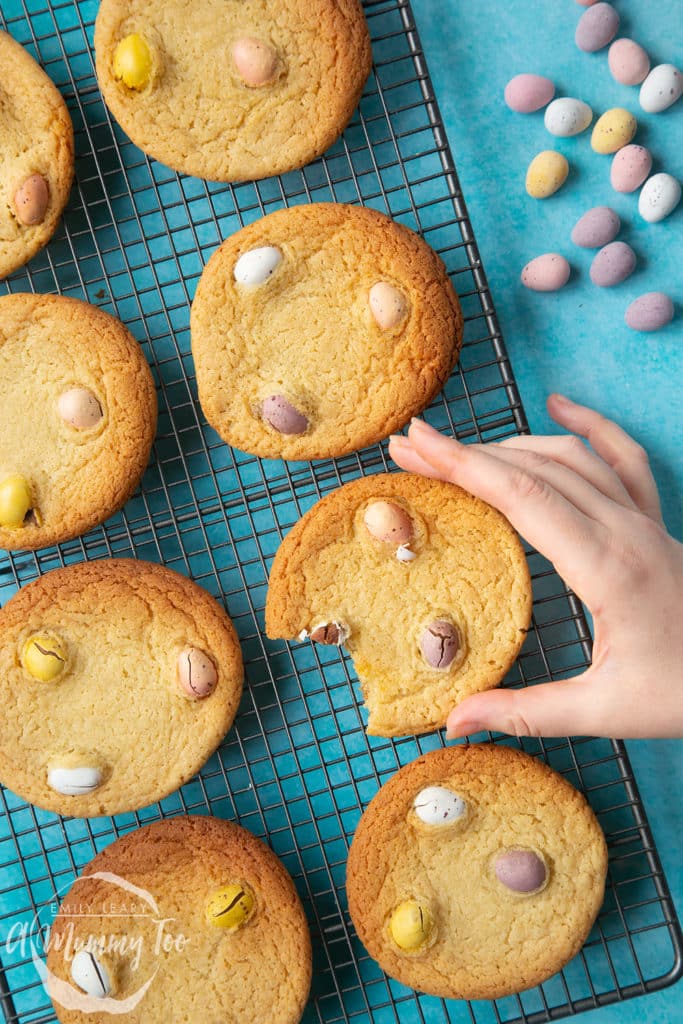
x=89, y=971
x=630, y=167
x=230, y=907
x=526, y=93
x=74, y=780
x=521, y=871
x=659, y=196
x=256, y=265
x=614, y=130
x=596, y=228
x=388, y=522
x=411, y=926
x=597, y=27
x=388, y=305
x=613, y=264
x=649, y=312
x=282, y=416
x=437, y=805
x=628, y=62
x=330, y=633
x=546, y=174
x=31, y=200
x=661, y=89
x=566, y=116
x=79, y=408
x=197, y=676
x=255, y=60
x=15, y=501
x=546, y=273
x=440, y=643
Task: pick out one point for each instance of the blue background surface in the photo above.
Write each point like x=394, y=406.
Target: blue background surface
x=575, y=340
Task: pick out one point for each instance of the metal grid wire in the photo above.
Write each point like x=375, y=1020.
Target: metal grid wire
x=297, y=768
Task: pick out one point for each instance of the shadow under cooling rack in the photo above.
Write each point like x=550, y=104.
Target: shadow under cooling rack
x=297, y=768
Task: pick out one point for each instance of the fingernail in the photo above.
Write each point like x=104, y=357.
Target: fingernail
x=398, y=439
x=458, y=729
x=561, y=399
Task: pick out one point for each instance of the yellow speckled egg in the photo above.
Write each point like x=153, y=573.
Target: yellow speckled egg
x=614, y=130
x=547, y=172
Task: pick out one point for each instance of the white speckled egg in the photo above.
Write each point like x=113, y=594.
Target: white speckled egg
x=628, y=62
x=596, y=228
x=649, y=312
x=567, y=116
x=546, y=273
x=256, y=265
x=630, y=167
x=659, y=196
x=662, y=87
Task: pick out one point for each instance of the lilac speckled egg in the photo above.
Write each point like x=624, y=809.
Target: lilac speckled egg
x=520, y=870
x=526, y=93
x=649, y=312
x=546, y=273
x=596, y=228
x=613, y=264
x=630, y=167
x=597, y=27
x=628, y=62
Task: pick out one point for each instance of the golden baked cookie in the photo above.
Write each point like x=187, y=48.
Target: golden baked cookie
x=77, y=419
x=321, y=329
x=213, y=932
x=118, y=680
x=232, y=90
x=475, y=872
x=36, y=156
x=425, y=585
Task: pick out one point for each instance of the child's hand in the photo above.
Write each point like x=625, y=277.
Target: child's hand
x=596, y=516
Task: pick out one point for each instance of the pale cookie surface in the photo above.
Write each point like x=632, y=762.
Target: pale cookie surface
x=36, y=139
x=77, y=419
x=94, y=719
x=257, y=972
x=483, y=939
x=467, y=569
x=283, y=317
x=234, y=89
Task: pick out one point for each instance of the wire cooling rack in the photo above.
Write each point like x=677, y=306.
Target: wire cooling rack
x=297, y=768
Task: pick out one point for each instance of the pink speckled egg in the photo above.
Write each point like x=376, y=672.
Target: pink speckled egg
x=597, y=227
x=597, y=27
x=649, y=312
x=547, y=273
x=613, y=264
x=526, y=93
x=630, y=167
x=628, y=62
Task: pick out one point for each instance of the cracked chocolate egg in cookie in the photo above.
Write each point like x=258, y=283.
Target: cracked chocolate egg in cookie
x=425, y=585
x=77, y=419
x=475, y=872
x=320, y=329
x=208, y=928
x=232, y=90
x=36, y=156
x=118, y=680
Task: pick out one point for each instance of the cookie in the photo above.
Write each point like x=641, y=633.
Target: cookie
x=475, y=872
x=234, y=90
x=118, y=680
x=425, y=585
x=213, y=931
x=77, y=419
x=321, y=329
x=36, y=156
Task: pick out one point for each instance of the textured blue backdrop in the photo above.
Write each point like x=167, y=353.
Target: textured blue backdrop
x=575, y=340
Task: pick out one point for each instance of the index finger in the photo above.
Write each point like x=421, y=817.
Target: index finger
x=571, y=540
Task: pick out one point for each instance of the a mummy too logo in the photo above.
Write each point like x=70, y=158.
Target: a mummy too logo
x=100, y=955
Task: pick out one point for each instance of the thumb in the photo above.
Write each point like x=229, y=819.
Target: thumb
x=566, y=707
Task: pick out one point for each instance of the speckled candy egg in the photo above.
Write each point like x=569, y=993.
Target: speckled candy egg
x=546, y=273
x=614, y=130
x=613, y=264
x=662, y=87
x=566, y=116
x=526, y=93
x=628, y=62
x=546, y=174
x=659, y=196
x=649, y=312
x=630, y=167
x=597, y=227
x=597, y=27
